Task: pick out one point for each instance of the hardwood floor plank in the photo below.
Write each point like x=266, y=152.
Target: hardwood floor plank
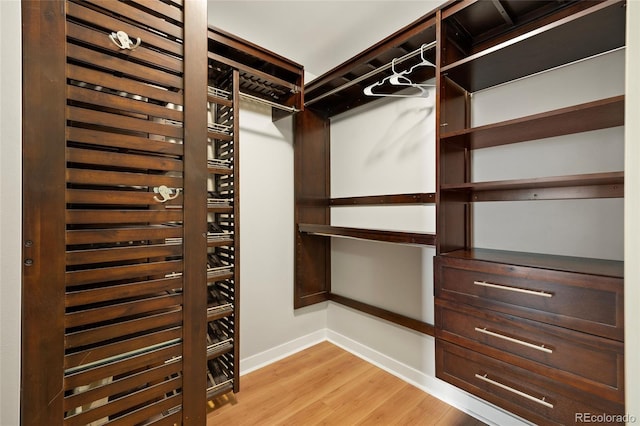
x=326, y=385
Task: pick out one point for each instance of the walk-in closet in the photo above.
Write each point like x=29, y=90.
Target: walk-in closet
x=437, y=202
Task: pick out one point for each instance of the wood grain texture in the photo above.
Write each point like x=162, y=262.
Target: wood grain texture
x=327, y=385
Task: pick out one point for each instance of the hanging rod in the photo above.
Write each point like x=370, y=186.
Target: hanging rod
x=290, y=109
x=372, y=73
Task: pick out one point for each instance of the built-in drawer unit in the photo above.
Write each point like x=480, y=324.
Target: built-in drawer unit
x=523, y=392
x=589, y=363
x=585, y=302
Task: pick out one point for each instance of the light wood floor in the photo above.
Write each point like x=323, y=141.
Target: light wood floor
x=327, y=385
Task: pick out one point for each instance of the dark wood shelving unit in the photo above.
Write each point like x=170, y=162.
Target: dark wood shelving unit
x=485, y=44
x=398, y=237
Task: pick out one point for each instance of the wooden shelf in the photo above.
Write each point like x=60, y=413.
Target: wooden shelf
x=220, y=101
x=590, y=32
x=384, y=314
x=585, y=117
x=219, y=136
x=221, y=209
x=581, y=265
x=593, y=185
x=417, y=198
x=220, y=170
x=398, y=237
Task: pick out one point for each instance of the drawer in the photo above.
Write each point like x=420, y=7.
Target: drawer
x=522, y=392
x=589, y=363
x=588, y=303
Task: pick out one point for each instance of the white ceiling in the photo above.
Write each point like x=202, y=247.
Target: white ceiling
x=316, y=34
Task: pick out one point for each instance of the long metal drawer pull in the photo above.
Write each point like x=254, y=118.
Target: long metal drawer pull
x=516, y=289
x=511, y=339
x=122, y=40
x=516, y=391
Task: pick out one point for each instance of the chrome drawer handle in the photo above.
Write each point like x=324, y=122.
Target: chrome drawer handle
x=540, y=401
x=516, y=289
x=511, y=339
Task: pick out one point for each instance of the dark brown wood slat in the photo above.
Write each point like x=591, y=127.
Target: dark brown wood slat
x=143, y=397
x=112, y=254
x=122, y=329
x=219, y=136
x=121, y=103
x=103, y=352
x=120, y=310
x=116, y=140
x=167, y=419
x=123, y=216
x=131, y=13
x=387, y=315
x=122, y=234
x=123, y=84
x=111, y=24
x=219, y=101
x=105, y=178
x=220, y=170
x=118, y=121
x=141, y=53
x=220, y=209
x=135, y=289
x=104, y=198
x=150, y=410
x=128, y=68
x=129, y=364
x=104, y=158
x=119, y=385
x=220, y=243
x=161, y=8
x=113, y=273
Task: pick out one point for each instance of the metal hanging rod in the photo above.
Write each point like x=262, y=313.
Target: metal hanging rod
x=290, y=109
x=373, y=72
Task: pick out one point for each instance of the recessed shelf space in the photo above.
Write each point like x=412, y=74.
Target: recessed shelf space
x=394, y=199
x=592, y=185
x=397, y=237
x=584, y=117
x=590, y=32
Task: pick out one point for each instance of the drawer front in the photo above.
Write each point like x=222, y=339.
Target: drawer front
x=519, y=391
x=589, y=363
x=588, y=303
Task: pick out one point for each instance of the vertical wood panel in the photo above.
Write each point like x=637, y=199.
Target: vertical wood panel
x=312, y=192
x=236, y=231
x=195, y=208
x=43, y=212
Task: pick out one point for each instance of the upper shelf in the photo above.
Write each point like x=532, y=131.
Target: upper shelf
x=589, y=32
x=381, y=200
x=398, y=237
x=594, y=115
x=341, y=89
x=263, y=74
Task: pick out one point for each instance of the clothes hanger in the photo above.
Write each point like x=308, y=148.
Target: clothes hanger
x=369, y=90
x=401, y=79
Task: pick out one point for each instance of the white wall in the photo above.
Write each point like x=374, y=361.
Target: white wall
x=10, y=211
x=269, y=326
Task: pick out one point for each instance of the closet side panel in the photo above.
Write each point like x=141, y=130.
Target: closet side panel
x=43, y=212
x=312, y=191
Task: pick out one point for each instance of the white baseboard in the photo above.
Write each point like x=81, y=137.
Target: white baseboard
x=262, y=359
